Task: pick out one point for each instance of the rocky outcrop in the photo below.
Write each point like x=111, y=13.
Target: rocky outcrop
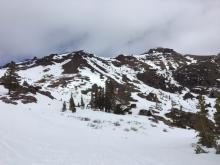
x=151, y=78
x=204, y=74
x=184, y=119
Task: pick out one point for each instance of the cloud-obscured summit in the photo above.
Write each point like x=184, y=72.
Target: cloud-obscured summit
x=39, y=27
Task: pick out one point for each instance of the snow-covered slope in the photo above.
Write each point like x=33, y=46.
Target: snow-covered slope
x=153, y=72
x=38, y=133
x=45, y=137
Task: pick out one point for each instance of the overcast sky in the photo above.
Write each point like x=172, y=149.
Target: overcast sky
x=107, y=27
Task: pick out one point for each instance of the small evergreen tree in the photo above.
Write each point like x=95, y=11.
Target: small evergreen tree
x=101, y=99
x=158, y=106
x=173, y=104
x=206, y=135
x=217, y=115
x=109, y=96
x=93, y=101
x=181, y=108
x=174, y=116
x=82, y=103
x=72, y=106
x=11, y=79
x=64, y=107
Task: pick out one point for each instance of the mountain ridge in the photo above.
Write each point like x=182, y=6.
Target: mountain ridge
x=160, y=75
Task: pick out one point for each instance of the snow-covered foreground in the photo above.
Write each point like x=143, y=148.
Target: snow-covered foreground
x=49, y=137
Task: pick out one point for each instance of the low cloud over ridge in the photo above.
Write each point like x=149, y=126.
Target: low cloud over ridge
x=107, y=27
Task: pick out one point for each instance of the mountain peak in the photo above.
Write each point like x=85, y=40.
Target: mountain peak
x=161, y=50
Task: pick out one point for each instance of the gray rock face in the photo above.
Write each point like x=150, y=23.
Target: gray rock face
x=200, y=150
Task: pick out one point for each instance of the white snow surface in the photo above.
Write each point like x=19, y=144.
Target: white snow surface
x=42, y=135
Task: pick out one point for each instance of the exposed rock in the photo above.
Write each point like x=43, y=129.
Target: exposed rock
x=160, y=50
x=45, y=61
x=8, y=101
x=152, y=97
x=145, y=112
x=198, y=74
x=125, y=78
x=46, y=93
x=75, y=64
x=213, y=93
x=122, y=109
x=188, y=96
x=200, y=150
x=184, y=119
x=151, y=78
x=25, y=84
x=28, y=99
x=126, y=60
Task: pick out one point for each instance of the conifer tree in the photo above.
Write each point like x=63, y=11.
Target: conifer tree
x=173, y=104
x=101, y=99
x=109, y=96
x=72, y=106
x=93, y=101
x=217, y=115
x=64, y=107
x=11, y=79
x=174, y=116
x=82, y=103
x=158, y=106
x=206, y=135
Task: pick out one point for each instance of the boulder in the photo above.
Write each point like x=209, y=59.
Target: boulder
x=145, y=112
x=200, y=150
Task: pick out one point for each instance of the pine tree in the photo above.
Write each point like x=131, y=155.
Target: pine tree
x=217, y=115
x=173, y=104
x=93, y=101
x=174, y=116
x=72, y=106
x=11, y=79
x=158, y=106
x=82, y=103
x=101, y=99
x=64, y=107
x=109, y=96
x=206, y=135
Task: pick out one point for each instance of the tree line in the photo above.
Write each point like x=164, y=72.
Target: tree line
x=208, y=135
x=103, y=99
x=10, y=80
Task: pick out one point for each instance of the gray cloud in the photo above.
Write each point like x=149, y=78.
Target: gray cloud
x=107, y=27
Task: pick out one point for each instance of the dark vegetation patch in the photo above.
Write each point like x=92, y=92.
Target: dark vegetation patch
x=150, y=97
x=184, y=119
x=151, y=78
x=199, y=74
x=63, y=82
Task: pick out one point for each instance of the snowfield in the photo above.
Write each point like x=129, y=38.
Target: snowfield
x=42, y=135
